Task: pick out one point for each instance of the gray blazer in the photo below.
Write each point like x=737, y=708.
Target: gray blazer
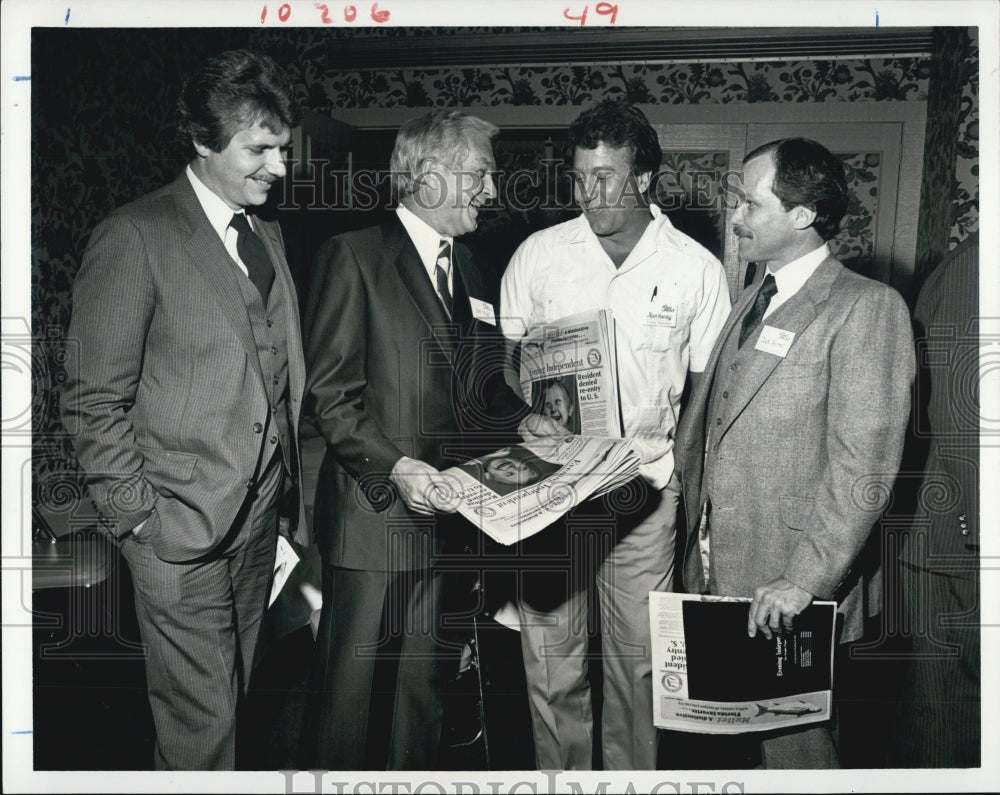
x=808, y=446
x=168, y=387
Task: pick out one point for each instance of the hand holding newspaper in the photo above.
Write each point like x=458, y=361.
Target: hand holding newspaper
x=517, y=491
x=569, y=374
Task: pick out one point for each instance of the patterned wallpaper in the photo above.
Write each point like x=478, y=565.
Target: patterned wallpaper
x=861, y=80
x=965, y=191
x=102, y=103
x=672, y=84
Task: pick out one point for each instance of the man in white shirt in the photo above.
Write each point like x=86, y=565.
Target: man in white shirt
x=669, y=299
x=789, y=447
x=185, y=403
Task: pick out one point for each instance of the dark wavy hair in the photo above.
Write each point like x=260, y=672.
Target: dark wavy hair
x=807, y=174
x=618, y=124
x=234, y=90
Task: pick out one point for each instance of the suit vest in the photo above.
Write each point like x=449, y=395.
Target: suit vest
x=728, y=372
x=270, y=332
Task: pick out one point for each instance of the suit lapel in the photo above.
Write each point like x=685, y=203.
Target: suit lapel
x=461, y=281
x=214, y=263
x=794, y=316
x=414, y=277
x=691, y=434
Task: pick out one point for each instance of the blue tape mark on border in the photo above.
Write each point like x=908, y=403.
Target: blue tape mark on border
x=24, y=731
x=66, y=21
x=21, y=78
x=876, y=18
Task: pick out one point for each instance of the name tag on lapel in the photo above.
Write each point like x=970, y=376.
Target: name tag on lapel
x=483, y=310
x=774, y=340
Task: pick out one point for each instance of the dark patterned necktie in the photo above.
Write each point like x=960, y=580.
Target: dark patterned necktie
x=254, y=255
x=441, y=270
x=753, y=318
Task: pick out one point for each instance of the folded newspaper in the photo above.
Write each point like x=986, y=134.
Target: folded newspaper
x=710, y=676
x=569, y=372
x=517, y=491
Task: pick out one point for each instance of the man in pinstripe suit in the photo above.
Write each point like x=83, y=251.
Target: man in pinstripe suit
x=191, y=376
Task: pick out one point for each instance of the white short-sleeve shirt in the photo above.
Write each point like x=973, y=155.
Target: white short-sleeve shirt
x=669, y=300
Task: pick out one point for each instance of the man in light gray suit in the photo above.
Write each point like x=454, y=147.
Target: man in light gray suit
x=794, y=436
x=191, y=377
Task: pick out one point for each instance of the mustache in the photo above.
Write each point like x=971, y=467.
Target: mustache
x=741, y=231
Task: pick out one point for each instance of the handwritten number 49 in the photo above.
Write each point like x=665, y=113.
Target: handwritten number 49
x=603, y=9
x=350, y=13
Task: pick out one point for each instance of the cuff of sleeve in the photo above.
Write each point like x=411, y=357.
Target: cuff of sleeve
x=820, y=587
x=379, y=490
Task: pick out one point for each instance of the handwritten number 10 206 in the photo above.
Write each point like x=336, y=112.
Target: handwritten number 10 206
x=603, y=9
x=350, y=13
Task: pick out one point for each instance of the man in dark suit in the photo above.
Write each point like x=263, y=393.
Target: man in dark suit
x=405, y=370
x=938, y=724
x=191, y=376
x=793, y=437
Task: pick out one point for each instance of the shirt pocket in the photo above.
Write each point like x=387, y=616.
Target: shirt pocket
x=656, y=336
x=559, y=298
x=661, y=323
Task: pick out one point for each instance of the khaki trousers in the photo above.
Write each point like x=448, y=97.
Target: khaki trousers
x=617, y=550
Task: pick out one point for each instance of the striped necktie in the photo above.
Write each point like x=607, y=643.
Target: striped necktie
x=441, y=271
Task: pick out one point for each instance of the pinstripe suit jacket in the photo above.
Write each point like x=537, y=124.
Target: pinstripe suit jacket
x=169, y=388
x=805, y=447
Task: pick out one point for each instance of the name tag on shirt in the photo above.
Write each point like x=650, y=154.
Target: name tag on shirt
x=775, y=340
x=664, y=315
x=483, y=310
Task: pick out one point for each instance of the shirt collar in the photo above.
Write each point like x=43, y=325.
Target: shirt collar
x=219, y=213
x=790, y=278
x=647, y=245
x=425, y=239
x=579, y=231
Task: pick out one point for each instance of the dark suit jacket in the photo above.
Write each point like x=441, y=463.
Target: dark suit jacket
x=807, y=446
x=945, y=537
x=390, y=375
x=168, y=390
